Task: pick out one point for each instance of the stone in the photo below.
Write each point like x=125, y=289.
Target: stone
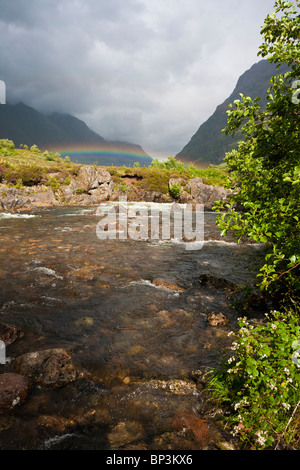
x=103, y=176
x=208, y=280
x=124, y=433
x=217, y=319
x=87, y=178
x=14, y=389
x=83, y=419
x=49, y=367
x=177, y=181
x=206, y=194
x=167, y=285
x=85, y=322
x=9, y=333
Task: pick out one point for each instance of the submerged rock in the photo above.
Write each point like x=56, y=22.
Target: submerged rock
x=9, y=333
x=82, y=420
x=167, y=285
x=85, y=322
x=14, y=389
x=209, y=280
x=50, y=367
x=124, y=433
x=217, y=319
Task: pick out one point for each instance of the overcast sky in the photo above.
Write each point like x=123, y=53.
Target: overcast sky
x=145, y=71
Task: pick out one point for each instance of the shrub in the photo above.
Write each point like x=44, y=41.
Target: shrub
x=175, y=191
x=34, y=148
x=30, y=175
x=260, y=381
x=122, y=186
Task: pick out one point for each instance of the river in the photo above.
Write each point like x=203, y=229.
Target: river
x=140, y=345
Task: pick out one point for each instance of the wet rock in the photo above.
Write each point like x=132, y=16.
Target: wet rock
x=167, y=285
x=183, y=440
x=14, y=389
x=208, y=280
x=187, y=419
x=6, y=421
x=9, y=333
x=14, y=199
x=83, y=420
x=183, y=387
x=125, y=433
x=50, y=367
x=217, y=319
x=85, y=322
x=226, y=445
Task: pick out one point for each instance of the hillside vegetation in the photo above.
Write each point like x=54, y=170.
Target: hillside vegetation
x=30, y=166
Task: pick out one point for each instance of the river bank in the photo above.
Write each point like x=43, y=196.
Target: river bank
x=93, y=185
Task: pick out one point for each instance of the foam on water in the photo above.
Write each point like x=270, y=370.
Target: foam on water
x=48, y=272
x=56, y=440
x=8, y=215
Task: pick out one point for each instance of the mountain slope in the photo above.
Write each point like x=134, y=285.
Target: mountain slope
x=25, y=125
x=76, y=129
x=209, y=144
x=66, y=134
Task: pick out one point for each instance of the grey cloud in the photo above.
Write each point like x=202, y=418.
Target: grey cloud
x=144, y=71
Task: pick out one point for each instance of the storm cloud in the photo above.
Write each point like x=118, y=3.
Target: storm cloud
x=144, y=71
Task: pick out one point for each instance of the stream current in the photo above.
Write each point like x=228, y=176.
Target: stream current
x=140, y=345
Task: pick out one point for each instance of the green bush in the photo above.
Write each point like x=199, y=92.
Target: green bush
x=175, y=191
x=260, y=382
x=7, y=147
x=122, y=186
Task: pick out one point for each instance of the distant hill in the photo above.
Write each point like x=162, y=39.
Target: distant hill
x=209, y=144
x=66, y=134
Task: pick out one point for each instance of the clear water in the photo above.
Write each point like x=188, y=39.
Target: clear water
x=138, y=344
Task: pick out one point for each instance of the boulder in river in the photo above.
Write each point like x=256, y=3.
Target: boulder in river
x=167, y=285
x=49, y=367
x=124, y=433
x=217, y=319
x=208, y=280
x=14, y=389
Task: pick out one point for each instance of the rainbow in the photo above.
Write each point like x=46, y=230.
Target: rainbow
x=106, y=155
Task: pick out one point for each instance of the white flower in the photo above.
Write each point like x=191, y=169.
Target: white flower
x=286, y=406
x=272, y=386
x=261, y=437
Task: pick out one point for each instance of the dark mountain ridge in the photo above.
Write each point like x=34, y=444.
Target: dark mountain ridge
x=65, y=133
x=209, y=144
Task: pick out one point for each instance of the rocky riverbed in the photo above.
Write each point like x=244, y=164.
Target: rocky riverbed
x=109, y=342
